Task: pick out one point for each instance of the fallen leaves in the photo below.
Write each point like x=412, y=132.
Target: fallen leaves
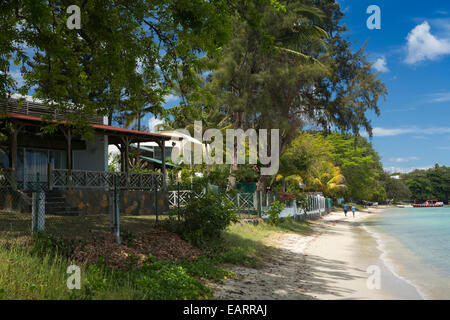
x=158, y=242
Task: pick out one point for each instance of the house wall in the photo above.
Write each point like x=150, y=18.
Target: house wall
x=95, y=157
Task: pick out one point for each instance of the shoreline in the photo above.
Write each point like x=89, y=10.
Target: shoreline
x=349, y=241
x=330, y=264
x=392, y=265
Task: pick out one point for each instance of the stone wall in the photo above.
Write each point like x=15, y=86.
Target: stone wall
x=95, y=202
x=11, y=200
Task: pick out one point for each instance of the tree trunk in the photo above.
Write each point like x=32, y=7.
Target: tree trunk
x=238, y=124
x=263, y=183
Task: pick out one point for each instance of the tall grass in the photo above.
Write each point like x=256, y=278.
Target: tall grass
x=27, y=276
x=32, y=270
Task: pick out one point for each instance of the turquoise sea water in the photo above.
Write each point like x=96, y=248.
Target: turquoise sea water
x=416, y=245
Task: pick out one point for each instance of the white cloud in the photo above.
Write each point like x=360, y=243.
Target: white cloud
x=422, y=45
x=381, y=65
x=440, y=97
x=171, y=98
x=152, y=123
x=403, y=160
x=406, y=170
x=387, y=132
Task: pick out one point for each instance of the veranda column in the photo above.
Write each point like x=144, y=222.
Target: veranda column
x=126, y=165
x=68, y=135
x=163, y=161
x=126, y=159
x=13, y=154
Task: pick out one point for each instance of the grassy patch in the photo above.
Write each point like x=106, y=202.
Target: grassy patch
x=31, y=273
x=31, y=268
x=248, y=244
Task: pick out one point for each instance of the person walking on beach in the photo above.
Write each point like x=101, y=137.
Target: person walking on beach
x=353, y=210
x=345, y=209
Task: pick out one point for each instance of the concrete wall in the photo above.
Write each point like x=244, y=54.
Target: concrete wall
x=95, y=157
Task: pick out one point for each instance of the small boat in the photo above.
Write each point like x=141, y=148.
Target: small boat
x=429, y=204
x=404, y=206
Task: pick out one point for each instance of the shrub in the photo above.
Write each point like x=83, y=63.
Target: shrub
x=204, y=217
x=44, y=243
x=127, y=237
x=274, y=212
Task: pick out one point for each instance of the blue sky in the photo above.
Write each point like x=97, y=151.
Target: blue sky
x=412, y=55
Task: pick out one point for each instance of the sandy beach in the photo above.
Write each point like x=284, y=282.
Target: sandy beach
x=332, y=263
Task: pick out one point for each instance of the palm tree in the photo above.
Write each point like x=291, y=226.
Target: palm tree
x=327, y=178
x=294, y=180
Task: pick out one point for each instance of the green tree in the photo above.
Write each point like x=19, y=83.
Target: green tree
x=420, y=187
x=335, y=164
x=123, y=59
x=433, y=183
x=296, y=70
x=360, y=164
x=396, y=189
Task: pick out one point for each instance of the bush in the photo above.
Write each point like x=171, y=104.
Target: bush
x=203, y=218
x=274, y=212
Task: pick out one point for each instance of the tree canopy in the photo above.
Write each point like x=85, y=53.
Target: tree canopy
x=433, y=183
x=339, y=165
x=125, y=57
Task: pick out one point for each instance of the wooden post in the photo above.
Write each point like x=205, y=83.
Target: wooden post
x=162, y=146
x=127, y=157
x=125, y=150
x=50, y=176
x=126, y=165
x=13, y=153
x=68, y=135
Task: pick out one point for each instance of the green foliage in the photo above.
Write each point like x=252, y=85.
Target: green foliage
x=429, y=184
x=297, y=66
x=113, y=162
x=36, y=275
x=335, y=164
x=246, y=174
x=159, y=280
x=360, y=164
x=204, y=218
x=125, y=58
x=274, y=212
x=396, y=189
x=46, y=244
x=127, y=236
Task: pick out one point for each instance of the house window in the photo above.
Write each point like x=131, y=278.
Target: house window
x=4, y=159
x=33, y=161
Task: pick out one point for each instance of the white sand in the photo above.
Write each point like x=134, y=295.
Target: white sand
x=330, y=264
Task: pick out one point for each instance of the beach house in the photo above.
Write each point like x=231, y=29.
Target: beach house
x=63, y=163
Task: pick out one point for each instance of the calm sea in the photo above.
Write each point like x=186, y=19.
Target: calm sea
x=416, y=246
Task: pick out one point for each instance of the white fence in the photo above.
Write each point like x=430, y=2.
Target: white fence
x=317, y=208
x=259, y=202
